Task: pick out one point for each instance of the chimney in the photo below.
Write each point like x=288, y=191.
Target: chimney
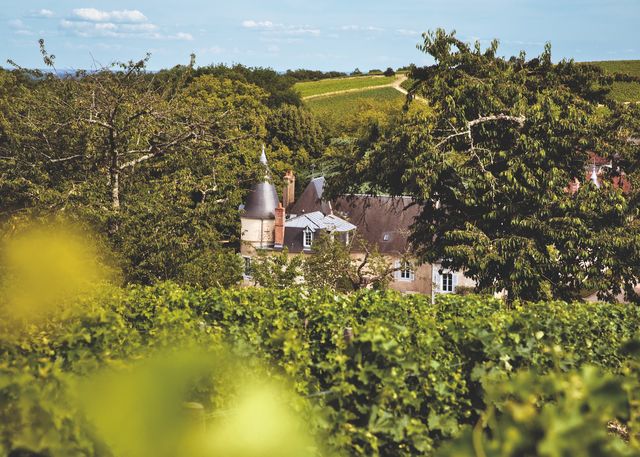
x=279, y=232
x=289, y=193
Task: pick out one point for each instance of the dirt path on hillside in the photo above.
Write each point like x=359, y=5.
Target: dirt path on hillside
x=397, y=85
x=359, y=89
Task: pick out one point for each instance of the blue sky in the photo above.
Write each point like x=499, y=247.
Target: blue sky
x=282, y=34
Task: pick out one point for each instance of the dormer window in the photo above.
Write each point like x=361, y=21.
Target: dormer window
x=307, y=237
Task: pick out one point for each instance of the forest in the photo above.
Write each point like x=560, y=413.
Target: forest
x=125, y=331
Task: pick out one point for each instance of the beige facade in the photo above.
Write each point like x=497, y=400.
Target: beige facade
x=415, y=281
x=448, y=281
x=419, y=283
x=258, y=233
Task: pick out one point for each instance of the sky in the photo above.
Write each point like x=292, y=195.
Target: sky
x=325, y=35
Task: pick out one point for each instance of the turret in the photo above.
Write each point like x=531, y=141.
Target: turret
x=258, y=218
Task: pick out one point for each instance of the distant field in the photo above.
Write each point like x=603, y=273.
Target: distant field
x=309, y=88
x=352, y=102
x=623, y=91
x=626, y=91
x=347, y=114
x=629, y=67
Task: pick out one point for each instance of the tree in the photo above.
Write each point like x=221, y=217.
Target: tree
x=389, y=72
x=159, y=166
x=490, y=165
x=332, y=266
x=276, y=270
x=297, y=129
x=279, y=87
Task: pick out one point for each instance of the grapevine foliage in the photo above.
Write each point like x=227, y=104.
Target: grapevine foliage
x=374, y=373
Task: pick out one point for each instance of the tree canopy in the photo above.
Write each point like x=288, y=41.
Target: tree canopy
x=156, y=162
x=490, y=164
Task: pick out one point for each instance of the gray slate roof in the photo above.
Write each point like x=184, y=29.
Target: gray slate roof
x=318, y=221
x=382, y=221
x=262, y=201
x=311, y=199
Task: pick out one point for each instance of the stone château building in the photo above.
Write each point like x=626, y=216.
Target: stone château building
x=384, y=222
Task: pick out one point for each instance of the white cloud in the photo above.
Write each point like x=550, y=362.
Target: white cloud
x=132, y=24
x=181, y=36
x=147, y=27
x=251, y=24
x=95, y=15
x=45, y=13
x=301, y=31
x=87, y=29
x=280, y=29
x=408, y=32
x=360, y=28
x=16, y=23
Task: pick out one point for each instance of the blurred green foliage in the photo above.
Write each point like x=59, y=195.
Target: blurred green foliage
x=109, y=375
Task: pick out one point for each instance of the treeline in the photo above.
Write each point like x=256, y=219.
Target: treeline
x=315, y=75
x=156, y=163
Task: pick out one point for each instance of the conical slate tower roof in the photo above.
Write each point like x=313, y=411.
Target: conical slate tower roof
x=262, y=201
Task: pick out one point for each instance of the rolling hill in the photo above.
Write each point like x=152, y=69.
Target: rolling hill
x=345, y=105
x=321, y=87
x=623, y=91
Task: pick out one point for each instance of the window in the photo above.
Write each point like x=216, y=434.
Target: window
x=446, y=282
x=385, y=237
x=307, y=238
x=247, y=267
x=404, y=272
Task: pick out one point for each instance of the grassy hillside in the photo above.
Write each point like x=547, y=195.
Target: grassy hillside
x=346, y=113
x=623, y=91
x=629, y=67
x=310, y=88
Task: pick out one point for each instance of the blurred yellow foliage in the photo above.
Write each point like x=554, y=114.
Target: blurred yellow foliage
x=45, y=269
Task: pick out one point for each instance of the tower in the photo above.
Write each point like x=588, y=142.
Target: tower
x=258, y=219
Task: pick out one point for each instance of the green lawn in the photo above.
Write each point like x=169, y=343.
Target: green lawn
x=324, y=86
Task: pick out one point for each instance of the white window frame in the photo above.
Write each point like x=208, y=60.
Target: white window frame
x=307, y=232
x=404, y=272
x=447, y=282
x=247, y=267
